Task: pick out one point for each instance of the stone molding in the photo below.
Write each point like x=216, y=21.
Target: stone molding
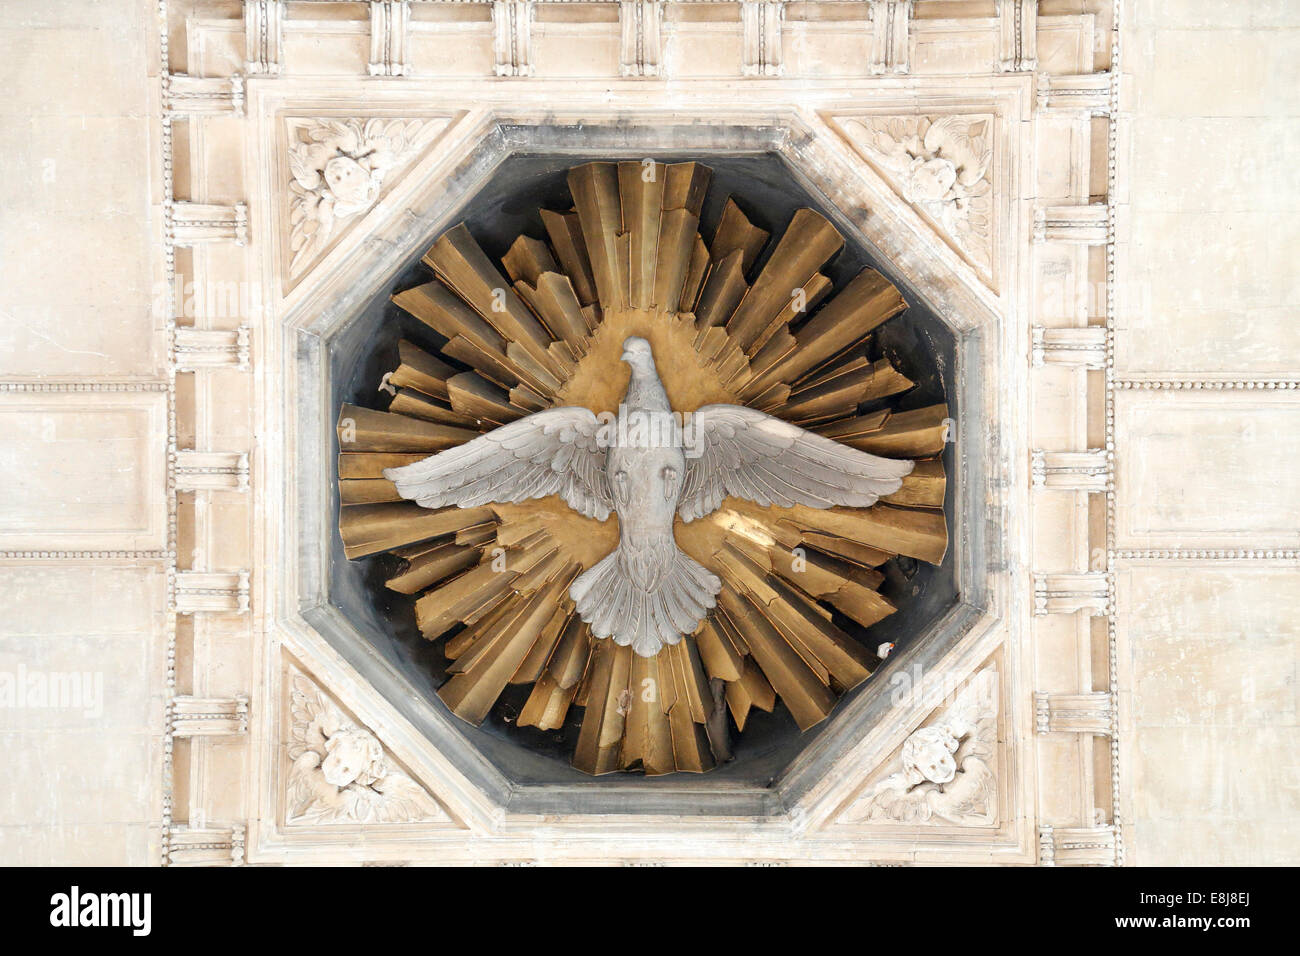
x=204, y=95
x=196, y=349
x=1078, y=846
x=264, y=36
x=1072, y=470
x=211, y=592
x=644, y=45
x=211, y=471
x=204, y=846
x=1092, y=713
x=512, y=22
x=209, y=716
x=1017, y=35
x=761, y=20
x=389, y=25
x=1086, y=347
x=641, y=51
x=195, y=223
x=1088, y=592
x=890, y=49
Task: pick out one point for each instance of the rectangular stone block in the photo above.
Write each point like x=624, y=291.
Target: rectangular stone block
x=86, y=470
x=1209, y=705
x=1198, y=469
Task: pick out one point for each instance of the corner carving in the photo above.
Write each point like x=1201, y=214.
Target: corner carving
x=942, y=166
x=340, y=773
x=945, y=772
x=338, y=170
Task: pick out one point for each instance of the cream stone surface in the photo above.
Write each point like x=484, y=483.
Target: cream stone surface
x=1139, y=300
x=1235, y=485
x=1211, y=204
x=84, y=466
x=78, y=124
x=1213, y=655
x=85, y=731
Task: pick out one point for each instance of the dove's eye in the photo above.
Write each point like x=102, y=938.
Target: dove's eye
x=669, y=474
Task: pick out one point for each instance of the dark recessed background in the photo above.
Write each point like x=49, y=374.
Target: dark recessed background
x=916, y=341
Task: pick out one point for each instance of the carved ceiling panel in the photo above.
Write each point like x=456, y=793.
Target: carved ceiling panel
x=364, y=144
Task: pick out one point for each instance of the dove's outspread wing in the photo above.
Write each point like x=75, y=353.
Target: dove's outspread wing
x=554, y=452
x=748, y=454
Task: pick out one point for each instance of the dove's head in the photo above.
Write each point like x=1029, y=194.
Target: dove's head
x=636, y=353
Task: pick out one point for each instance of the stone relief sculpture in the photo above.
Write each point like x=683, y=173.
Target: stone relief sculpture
x=338, y=168
x=649, y=474
x=940, y=164
x=340, y=773
x=945, y=769
x=648, y=469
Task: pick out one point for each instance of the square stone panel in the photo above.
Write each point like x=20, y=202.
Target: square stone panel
x=87, y=470
x=1216, y=469
x=431, y=197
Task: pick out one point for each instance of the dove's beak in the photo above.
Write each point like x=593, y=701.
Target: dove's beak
x=626, y=356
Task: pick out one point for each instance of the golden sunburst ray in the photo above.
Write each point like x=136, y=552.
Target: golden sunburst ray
x=491, y=582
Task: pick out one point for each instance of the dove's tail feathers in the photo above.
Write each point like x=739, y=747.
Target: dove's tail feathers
x=614, y=605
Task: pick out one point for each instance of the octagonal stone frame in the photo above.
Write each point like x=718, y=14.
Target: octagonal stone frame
x=990, y=529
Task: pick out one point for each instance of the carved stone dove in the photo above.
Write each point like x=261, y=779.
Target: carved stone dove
x=647, y=468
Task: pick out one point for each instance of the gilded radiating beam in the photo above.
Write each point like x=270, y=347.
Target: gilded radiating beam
x=414, y=404
x=464, y=267
x=443, y=311
x=528, y=259
x=423, y=570
x=595, y=190
x=843, y=394
x=920, y=433
x=723, y=291
x=809, y=699
x=553, y=299
x=752, y=690
x=481, y=400
x=736, y=232
x=371, y=464
x=918, y=534
x=419, y=370
x=605, y=696
x=806, y=246
x=367, y=491
x=369, y=529
x=471, y=693
x=477, y=589
x=923, y=488
x=364, y=429
x=641, y=190
x=565, y=232
x=548, y=704
x=697, y=270
x=864, y=304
